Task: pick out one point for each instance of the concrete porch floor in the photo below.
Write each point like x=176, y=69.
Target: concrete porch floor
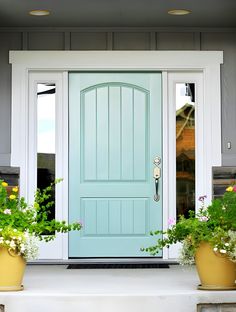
x=50, y=288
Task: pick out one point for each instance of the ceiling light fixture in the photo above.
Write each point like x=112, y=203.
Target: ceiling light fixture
x=39, y=12
x=179, y=12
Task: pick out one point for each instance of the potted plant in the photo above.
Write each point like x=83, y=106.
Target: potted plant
x=209, y=239
x=22, y=226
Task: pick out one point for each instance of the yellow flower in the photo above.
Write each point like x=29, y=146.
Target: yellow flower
x=15, y=189
x=12, y=196
x=4, y=184
x=229, y=189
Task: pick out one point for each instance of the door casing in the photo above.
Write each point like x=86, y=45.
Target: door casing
x=26, y=63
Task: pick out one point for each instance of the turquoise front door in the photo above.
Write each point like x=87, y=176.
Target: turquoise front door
x=115, y=133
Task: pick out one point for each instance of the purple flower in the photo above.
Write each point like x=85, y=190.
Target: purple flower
x=202, y=198
x=80, y=223
x=203, y=218
x=171, y=221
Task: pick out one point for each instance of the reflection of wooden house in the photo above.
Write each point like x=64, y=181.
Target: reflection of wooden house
x=185, y=158
x=185, y=130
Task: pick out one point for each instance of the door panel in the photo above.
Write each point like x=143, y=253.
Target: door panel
x=115, y=133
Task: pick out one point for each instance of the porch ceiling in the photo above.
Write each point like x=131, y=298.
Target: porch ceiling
x=118, y=13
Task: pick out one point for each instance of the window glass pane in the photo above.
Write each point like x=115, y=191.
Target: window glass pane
x=185, y=148
x=46, y=138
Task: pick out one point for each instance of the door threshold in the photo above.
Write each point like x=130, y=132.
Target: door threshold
x=94, y=261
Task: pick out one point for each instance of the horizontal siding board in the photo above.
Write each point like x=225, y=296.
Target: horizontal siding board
x=131, y=41
x=46, y=41
x=175, y=41
x=88, y=41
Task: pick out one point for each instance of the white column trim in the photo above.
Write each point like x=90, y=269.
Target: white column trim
x=165, y=153
x=65, y=160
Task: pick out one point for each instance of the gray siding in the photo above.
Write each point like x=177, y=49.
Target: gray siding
x=8, y=41
x=122, y=39
x=175, y=41
x=45, y=41
x=131, y=41
x=88, y=41
x=227, y=43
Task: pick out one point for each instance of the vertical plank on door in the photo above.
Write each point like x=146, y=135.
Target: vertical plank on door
x=115, y=217
x=102, y=133
x=89, y=124
x=140, y=216
x=127, y=211
x=140, y=137
x=89, y=215
x=114, y=133
x=102, y=216
x=127, y=133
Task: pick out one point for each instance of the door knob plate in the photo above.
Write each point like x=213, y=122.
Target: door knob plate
x=157, y=161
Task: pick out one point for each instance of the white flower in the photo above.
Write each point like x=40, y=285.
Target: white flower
x=14, y=230
x=7, y=211
x=203, y=218
x=0, y=230
x=1, y=240
x=7, y=242
x=22, y=248
x=227, y=244
x=223, y=251
x=12, y=244
x=215, y=249
x=31, y=247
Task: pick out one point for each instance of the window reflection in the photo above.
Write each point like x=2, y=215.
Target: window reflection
x=185, y=148
x=46, y=138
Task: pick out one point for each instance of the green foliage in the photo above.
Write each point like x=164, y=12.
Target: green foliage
x=19, y=221
x=215, y=224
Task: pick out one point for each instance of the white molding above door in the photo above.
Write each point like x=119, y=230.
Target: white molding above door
x=205, y=62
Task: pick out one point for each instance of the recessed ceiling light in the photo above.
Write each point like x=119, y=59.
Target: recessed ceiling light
x=179, y=12
x=39, y=12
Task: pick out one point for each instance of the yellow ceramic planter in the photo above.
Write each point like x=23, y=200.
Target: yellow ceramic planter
x=12, y=269
x=216, y=271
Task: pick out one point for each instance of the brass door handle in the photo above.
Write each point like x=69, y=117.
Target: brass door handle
x=156, y=176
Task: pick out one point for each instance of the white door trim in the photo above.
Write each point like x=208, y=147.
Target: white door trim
x=208, y=62
x=58, y=248
x=202, y=164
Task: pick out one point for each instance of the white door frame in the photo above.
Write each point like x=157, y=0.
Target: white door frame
x=202, y=159
x=169, y=62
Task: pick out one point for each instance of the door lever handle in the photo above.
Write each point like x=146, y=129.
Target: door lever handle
x=156, y=176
